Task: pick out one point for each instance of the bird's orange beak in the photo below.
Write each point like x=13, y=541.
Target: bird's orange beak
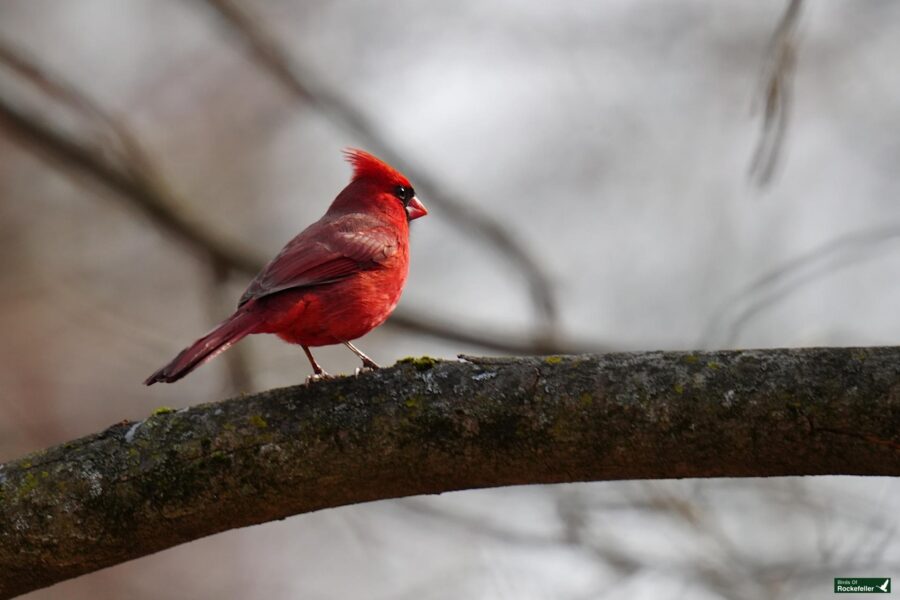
x=415, y=209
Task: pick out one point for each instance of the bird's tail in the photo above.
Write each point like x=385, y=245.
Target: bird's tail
x=220, y=339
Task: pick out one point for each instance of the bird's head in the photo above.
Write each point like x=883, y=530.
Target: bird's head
x=388, y=184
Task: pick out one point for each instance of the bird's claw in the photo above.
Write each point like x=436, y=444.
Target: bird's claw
x=364, y=369
x=315, y=377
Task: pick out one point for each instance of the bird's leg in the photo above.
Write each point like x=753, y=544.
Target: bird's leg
x=368, y=363
x=318, y=372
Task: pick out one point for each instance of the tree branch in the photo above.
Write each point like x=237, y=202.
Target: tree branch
x=426, y=426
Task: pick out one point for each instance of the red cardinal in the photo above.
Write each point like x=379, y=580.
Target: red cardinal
x=336, y=281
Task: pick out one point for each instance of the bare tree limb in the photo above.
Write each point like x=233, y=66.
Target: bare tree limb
x=306, y=87
x=425, y=426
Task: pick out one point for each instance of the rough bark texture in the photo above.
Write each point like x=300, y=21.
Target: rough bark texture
x=425, y=426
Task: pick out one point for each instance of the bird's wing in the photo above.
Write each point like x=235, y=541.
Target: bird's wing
x=324, y=253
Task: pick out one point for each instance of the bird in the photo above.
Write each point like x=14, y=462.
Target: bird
x=334, y=282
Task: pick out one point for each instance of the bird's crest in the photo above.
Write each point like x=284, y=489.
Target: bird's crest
x=367, y=165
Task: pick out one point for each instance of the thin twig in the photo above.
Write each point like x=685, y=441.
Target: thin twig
x=492, y=338
x=763, y=292
x=777, y=82
x=15, y=60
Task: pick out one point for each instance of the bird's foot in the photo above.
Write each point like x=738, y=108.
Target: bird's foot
x=369, y=364
x=315, y=377
x=364, y=369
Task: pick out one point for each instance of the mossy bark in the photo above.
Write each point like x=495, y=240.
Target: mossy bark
x=426, y=426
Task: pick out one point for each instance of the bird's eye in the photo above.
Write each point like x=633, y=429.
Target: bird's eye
x=404, y=193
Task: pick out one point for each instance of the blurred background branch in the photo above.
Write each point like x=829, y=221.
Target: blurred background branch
x=732, y=317
x=776, y=94
x=132, y=175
